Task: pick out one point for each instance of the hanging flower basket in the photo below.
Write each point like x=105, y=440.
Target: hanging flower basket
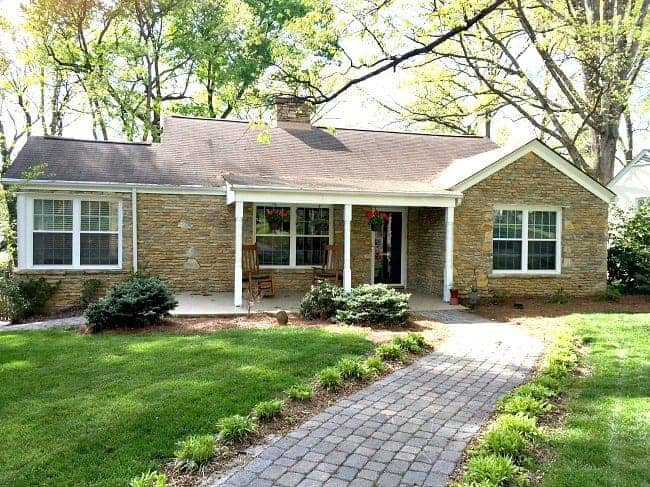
x=275, y=219
x=376, y=220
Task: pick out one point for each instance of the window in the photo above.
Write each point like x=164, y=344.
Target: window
x=526, y=240
x=69, y=233
x=292, y=235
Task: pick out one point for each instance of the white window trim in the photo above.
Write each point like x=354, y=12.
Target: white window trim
x=525, y=209
x=292, y=232
x=25, y=224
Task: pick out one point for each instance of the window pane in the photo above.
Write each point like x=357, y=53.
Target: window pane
x=98, y=249
x=313, y=221
x=53, y=215
x=273, y=250
x=541, y=224
x=310, y=250
x=541, y=255
x=506, y=255
x=507, y=224
x=98, y=216
x=52, y=249
x=272, y=220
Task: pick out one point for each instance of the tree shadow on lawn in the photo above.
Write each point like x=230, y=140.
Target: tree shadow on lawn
x=96, y=410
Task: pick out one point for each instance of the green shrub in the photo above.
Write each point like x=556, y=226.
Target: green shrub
x=89, y=292
x=522, y=403
x=556, y=371
x=375, y=365
x=535, y=390
x=559, y=296
x=611, y=293
x=321, y=301
x=493, y=470
x=149, y=479
x=504, y=442
x=329, y=378
x=301, y=392
x=352, y=368
x=628, y=258
x=194, y=451
x=134, y=303
x=407, y=343
x=497, y=297
x=37, y=292
x=13, y=305
x=519, y=423
x=266, y=410
x=390, y=351
x=374, y=304
x=235, y=428
x=417, y=338
x=547, y=381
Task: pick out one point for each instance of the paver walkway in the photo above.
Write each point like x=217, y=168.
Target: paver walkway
x=409, y=428
x=69, y=322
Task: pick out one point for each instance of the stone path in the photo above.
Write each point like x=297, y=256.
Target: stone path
x=70, y=322
x=411, y=427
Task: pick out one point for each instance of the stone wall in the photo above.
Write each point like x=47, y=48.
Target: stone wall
x=531, y=181
x=426, y=250
x=69, y=291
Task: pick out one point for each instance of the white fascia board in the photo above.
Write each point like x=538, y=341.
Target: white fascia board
x=548, y=155
x=639, y=157
x=330, y=197
x=35, y=184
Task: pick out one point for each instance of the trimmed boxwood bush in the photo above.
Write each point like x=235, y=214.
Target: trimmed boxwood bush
x=134, y=303
x=374, y=304
x=321, y=301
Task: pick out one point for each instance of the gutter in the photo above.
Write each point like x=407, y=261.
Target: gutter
x=114, y=187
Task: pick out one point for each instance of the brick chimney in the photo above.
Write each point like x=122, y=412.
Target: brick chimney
x=292, y=113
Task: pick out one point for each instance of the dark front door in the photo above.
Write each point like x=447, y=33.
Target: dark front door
x=388, y=250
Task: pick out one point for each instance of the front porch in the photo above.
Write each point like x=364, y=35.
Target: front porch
x=221, y=304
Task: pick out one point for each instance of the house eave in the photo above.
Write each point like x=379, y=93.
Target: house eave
x=93, y=186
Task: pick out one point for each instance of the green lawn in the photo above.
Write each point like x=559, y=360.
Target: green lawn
x=96, y=410
x=606, y=440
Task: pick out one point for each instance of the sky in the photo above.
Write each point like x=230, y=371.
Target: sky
x=355, y=108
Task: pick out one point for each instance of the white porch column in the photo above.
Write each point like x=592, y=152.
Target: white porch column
x=347, y=272
x=239, y=237
x=449, y=254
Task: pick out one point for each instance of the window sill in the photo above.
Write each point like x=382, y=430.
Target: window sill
x=288, y=267
x=68, y=269
x=523, y=275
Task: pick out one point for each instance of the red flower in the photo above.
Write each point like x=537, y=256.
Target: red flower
x=385, y=217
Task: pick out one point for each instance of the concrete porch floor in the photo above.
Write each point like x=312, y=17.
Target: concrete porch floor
x=219, y=304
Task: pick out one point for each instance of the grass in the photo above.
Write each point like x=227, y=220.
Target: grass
x=99, y=410
x=605, y=438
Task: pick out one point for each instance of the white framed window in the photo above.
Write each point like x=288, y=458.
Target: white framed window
x=291, y=235
x=526, y=240
x=61, y=232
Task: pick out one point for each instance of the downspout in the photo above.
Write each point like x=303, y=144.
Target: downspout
x=134, y=228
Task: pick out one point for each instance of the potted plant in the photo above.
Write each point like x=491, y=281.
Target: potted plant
x=473, y=292
x=321, y=226
x=376, y=220
x=275, y=218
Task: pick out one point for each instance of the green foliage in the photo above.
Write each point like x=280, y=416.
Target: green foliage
x=134, y=303
x=611, y=293
x=266, y=410
x=37, y=292
x=352, y=368
x=151, y=478
x=628, y=259
x=536, y=390
x=329, y=378
x=235, y=428
x=89, y=292
x=375, y=365
x=519, y=423
x=491, y=470
x=497, y=297
x=559, y=296
x=13, y=305
x=374, y=304
x=301, y=392
x=504, y=442
x=390, y=351
x=194, y=451
x=516, y=403
x=321, y=301
x=547, y=381
x=408, y=343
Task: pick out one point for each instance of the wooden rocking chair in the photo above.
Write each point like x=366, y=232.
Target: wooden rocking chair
x=332, y=268
x=251, y=273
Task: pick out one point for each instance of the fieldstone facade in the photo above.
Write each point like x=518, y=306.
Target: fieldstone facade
x=532, y=181
x=426, y=250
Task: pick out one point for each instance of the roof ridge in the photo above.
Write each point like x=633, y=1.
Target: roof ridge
x=403, y=132
x=208, y=119
x=94, y=141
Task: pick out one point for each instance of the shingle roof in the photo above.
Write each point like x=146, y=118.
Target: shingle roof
x=202, y=151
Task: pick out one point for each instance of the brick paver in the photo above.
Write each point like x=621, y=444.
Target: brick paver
x=409, y=428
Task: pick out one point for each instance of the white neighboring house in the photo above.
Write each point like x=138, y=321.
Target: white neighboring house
x=632, y=183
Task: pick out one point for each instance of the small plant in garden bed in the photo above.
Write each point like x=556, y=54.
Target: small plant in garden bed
x=522, y=403
x=301, y=392
x=535, y=390
x=409, y=343
x=520, y=423
x=266, y=410
x=329, y=378
x=559, y=296
x=321, y=301
x=375, y=365
x=194, y=451
x=390, y=351
x=490, y=470
x=149, y=479
x=235, y=428
x=352, y=368
x=504, y=442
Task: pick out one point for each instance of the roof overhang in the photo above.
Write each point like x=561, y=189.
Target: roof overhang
x=34, y=184
x=543, y=151
x=266, y=194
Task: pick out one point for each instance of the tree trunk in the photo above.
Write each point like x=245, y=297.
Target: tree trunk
x=604, y=148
